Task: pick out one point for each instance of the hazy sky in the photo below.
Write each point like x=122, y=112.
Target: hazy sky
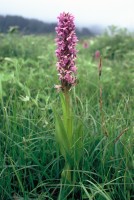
x=86, y=12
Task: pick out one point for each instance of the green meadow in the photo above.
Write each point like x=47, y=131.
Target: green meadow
x=30, y=161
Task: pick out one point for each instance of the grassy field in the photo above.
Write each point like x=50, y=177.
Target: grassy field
x=30, y=162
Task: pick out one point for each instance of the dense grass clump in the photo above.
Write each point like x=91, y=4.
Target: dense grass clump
x=30, y=163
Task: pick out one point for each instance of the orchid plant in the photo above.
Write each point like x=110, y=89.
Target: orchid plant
x=68, y=136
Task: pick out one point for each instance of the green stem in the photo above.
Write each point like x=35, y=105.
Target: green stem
x=68, y=116
x=68, y=122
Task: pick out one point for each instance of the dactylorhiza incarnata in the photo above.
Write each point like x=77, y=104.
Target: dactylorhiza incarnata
x=66, y=40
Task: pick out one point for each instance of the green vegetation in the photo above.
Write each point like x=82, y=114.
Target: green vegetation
x=30, y=163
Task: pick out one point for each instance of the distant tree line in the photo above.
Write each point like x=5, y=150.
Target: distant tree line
x=33, y=26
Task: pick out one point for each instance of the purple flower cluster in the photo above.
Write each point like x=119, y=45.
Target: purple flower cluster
x=66, y=52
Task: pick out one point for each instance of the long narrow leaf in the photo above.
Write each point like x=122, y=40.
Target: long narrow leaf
x=67, y=115
x=61, y=135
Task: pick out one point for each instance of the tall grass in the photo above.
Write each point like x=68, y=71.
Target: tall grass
x=30, y=165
